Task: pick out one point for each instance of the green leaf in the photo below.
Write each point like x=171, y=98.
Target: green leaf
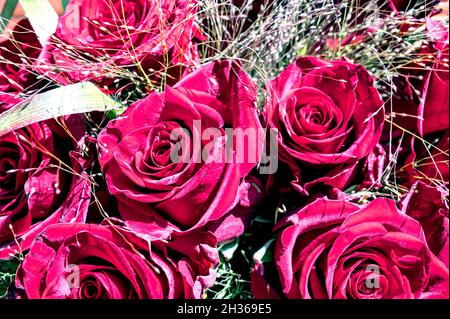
x=7, y=275
x=265, y=254
x=115, y=113
x=303, y=51
x=229, y=284
x=7, y=13
x=71, y=99
x=43, y=18
x=227, y=250
x=64, y=4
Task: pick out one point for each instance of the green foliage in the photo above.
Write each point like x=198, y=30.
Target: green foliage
x=65, y=3
x=229, y=284
x=7, y=275
x=7, y=13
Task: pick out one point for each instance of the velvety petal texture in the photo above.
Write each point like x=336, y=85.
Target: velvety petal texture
x=329, y=117
x=157, y=194
x=156, y=39
x=421, y=105
x=426, y=161
x=87, y=261
x=18, y=51
x=332, y=249
x=42, y=182
x=428, y=205
x=374, y=168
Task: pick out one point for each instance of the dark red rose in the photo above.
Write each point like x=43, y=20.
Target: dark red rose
x=95, y=38
x=157, y=194
x=435, y=92
x=88, y=261
x=427, y=161
x=335, y=249
x=41, y=183
x=258, y=280
x=233, y=224
x=18, y=52
x=374, y=168
x=329, y=117
x=421, y=103
x=429, y=205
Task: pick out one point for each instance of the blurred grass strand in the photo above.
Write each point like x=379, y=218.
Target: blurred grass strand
x=72, y=99
x=7, y=13
x=43, y=18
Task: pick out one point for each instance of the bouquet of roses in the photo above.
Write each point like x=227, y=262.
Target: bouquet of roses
x=224, y=149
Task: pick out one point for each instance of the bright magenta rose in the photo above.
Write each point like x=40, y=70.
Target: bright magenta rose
x=87, y=261
x=40, y=184
x=18, y=52
x=338, y=250
x=329, y=117
x=159, y=194
x=150, y=38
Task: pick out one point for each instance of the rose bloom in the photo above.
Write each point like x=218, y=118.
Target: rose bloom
x=329, y=117
x=421, y=104
x=18, y=52
x=157, y=194
x=374, y=168
x=94, y=39
x=426, y=160
x=40, y=183
x=429, y=205
x=339, y=250
x=89, y=261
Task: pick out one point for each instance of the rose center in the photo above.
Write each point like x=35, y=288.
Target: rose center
x=367, y=283
x=162, y=145
x=90, y=290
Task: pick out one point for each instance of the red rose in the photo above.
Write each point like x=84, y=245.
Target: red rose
x=426, y=161
x=94, y=38
x=427, y=204
x=17, y=53
x=374, y=168
x=233, y=224
x=87, y=261
x=335, y=249
x=157, y=194
x=435, y=92
x=421, y=104
x=40, y=184
x=329, y=117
